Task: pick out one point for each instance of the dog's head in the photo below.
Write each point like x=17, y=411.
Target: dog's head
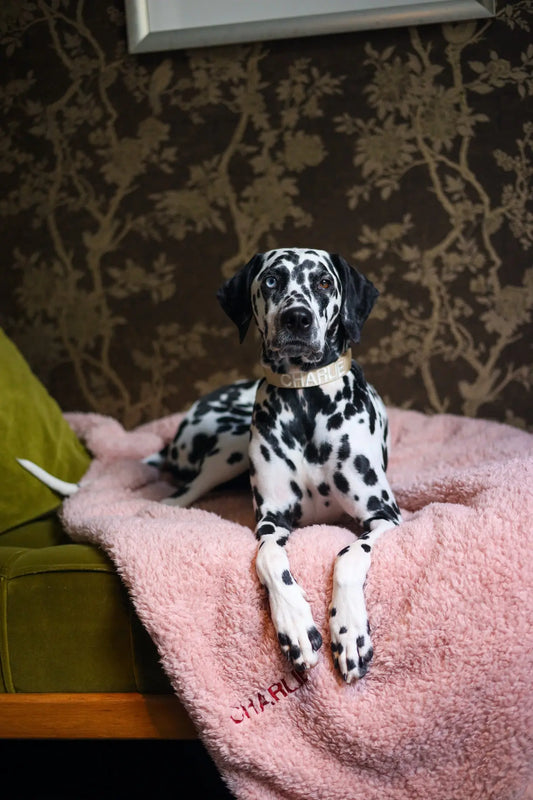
x=308, y=304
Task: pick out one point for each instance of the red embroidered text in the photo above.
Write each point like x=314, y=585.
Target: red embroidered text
x=258, y=701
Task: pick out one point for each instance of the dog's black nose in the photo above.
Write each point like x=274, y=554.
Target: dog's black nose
x=297, y=319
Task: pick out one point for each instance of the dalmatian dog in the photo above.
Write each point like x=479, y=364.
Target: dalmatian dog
x=312, y=432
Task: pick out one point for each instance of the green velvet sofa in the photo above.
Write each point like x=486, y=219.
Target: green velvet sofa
x=74, y=659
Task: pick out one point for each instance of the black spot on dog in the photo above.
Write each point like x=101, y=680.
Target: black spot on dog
x=182, y=489
x=284, y=640
x=335, y=422
x=341, y=483
x=295, y=653
x=258, y=498
x=287, y=577
x=333, y=611
x=366, y=548
x=241, y=430
x=344, y=449
x=265, y=419
x=296, y=490
x=323, y=489
x=296, y=512
x=266, y=529
x=347, y=389
x=371, y=408
x=265, y=452
x=384, y=457
x=370, y=477
x=360, y=641
x=317, y=455
x=344, y=629
x=349, y=411
x=373, y=503
x=362, y=666
x=278, y=519
x=184, y=476
x=383, y=510
x=202, y=446
x=318, y=402
x=343, y=551
x=362, y=464
x=315, y=638
x=234, y=458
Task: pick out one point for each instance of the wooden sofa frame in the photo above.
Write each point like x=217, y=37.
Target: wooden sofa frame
x=94, y=716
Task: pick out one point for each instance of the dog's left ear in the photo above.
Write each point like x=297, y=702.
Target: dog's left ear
x=234, y=295
x=359, y=296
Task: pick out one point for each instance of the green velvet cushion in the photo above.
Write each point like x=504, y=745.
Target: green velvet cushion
x=33, y=427
x=45, y=531
x=66, y=622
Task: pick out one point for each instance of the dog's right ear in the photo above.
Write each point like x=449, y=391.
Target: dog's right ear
x=234, y=295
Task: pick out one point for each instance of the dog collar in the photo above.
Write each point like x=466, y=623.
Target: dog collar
x=313, y=377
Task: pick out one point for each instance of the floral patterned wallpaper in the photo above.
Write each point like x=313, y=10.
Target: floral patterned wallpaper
x=133, y=185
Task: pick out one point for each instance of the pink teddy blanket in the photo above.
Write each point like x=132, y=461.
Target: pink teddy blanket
x=446, y=710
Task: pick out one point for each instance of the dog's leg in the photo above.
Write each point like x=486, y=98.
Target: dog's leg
x=351, y=644
x=275, y=468
x=210, y=469
x=211, y=444
x=291, y=614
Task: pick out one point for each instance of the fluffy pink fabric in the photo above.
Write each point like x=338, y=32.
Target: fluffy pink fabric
x=446, y=710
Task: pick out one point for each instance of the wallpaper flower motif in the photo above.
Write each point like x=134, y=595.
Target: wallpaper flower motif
x=132, y=186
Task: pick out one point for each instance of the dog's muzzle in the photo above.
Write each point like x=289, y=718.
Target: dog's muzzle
x=298, y=320
x=296, y=333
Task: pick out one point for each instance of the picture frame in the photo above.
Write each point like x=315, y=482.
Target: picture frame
x=155, y=25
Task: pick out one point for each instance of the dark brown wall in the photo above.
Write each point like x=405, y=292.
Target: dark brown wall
x=131, y=186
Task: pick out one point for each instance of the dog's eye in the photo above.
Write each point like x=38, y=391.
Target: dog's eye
x=325, y=283
x=271, y=282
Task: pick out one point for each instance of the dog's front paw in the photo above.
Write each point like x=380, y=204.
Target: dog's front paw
x=301, y=651
x=297, y=633
x=351, y=645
